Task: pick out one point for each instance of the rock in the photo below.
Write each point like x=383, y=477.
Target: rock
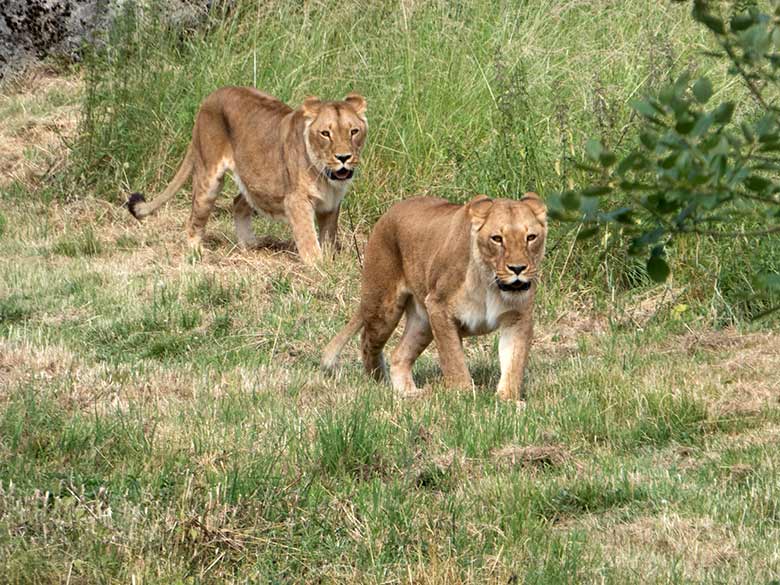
x=33, y=29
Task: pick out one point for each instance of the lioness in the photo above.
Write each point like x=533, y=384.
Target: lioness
x=288, y=164
x=455, y=271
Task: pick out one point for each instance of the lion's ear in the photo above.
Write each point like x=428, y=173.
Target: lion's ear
x=311, y=106
x=357, y=101
x=536, y=204
x=479, y=208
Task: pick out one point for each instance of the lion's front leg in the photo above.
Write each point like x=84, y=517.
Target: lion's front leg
x=450, y=346
x=242, y=218
x=513, y=346
x=328, y=223
x=300, y=214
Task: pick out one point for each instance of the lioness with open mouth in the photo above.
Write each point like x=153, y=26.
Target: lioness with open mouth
x=288, y=164
x=455, y=271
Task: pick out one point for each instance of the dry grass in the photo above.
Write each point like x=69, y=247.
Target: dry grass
x=40, y=114
x=561, y=336
x=647, y=544
x=87, y=388
x=742, y=366
x=22, y=362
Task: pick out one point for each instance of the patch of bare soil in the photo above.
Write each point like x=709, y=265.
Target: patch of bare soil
x=562, y=335
x=39, y=113
x=539, y=456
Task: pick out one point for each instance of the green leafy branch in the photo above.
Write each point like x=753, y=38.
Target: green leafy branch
x=693, y=169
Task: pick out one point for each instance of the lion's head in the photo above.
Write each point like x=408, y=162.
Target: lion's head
x=334, y=134
x=509, y=239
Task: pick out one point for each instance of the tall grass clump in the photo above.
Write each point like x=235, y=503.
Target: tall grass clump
x=464, y=97
x=350, y=441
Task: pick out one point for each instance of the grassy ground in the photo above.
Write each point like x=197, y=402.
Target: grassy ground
x=167, y=421
x=163, y=420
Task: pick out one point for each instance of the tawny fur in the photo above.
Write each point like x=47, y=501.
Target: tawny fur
x=294, y=165
x=454, y=271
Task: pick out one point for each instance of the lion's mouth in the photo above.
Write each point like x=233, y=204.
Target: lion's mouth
x=341, y=174
x=516, y=286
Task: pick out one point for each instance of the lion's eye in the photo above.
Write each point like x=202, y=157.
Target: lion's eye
x=354, y=131
x=530, y=237
x=325, y=133
x=497, y=239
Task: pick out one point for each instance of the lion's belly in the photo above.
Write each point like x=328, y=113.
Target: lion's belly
x=267, y=204
x=266, y=194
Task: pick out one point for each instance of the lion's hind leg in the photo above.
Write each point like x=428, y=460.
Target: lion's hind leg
x=213, y=158
x=416, y=337
x=206, y=187
x=382, y=308
x=376, y=332
x=383, y=296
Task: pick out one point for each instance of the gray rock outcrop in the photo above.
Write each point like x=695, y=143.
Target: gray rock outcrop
x=33, y=29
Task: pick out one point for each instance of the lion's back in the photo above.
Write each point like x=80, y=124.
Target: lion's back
x=235, y=103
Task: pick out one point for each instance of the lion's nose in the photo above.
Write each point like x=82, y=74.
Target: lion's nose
x=516, y=268
x=343, y=157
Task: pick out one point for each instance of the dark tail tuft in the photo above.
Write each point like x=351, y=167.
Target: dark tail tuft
x=135, y=199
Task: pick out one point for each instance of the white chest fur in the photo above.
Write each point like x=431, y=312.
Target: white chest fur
x=479, y=308
x=328, y=194
x=480, y=311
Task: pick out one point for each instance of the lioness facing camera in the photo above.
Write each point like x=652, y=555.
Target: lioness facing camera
x=455, y=271
x=288, y=164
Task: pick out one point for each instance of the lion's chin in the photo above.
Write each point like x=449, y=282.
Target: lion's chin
x=342, y=174
x=516, y=286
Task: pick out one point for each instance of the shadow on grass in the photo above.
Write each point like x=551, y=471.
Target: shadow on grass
x=218, y=240
x=484, y=374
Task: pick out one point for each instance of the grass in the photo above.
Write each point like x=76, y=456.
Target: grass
x=167, y=422
x=163, y=418
x=79, y=244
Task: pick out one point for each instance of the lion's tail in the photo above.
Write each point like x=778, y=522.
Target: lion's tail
x=331, y=354
x=140, y=208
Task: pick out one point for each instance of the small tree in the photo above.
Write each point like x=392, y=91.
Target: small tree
x=694, y=170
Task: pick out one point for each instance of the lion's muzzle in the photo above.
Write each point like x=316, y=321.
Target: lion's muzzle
x=342, y=174
x=516, y=285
